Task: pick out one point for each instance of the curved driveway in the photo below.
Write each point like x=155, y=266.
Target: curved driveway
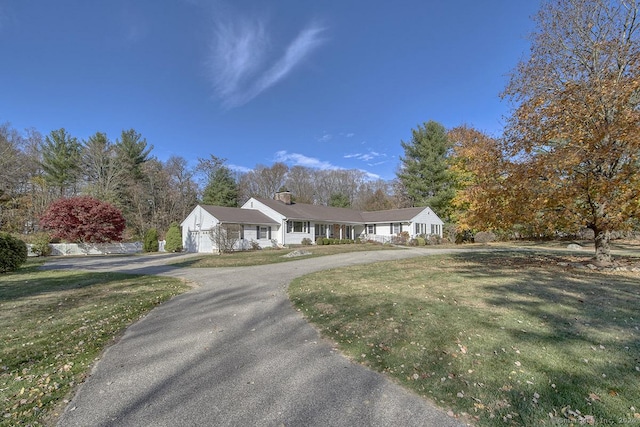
x=234, y=352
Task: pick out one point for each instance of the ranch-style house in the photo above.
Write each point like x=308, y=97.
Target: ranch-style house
x=280, y=221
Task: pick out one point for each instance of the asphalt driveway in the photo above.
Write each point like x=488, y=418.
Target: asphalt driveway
x=234, y=352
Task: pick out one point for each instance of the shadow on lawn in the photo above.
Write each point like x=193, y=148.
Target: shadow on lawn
x=28, y=283
x=580, y=327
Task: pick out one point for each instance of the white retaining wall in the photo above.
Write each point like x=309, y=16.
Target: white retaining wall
x=58, y=249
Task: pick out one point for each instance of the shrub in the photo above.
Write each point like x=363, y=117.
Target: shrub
x=255, y=246
x=484, y=237
x=326, y=241
x=151, y=240
x=13, y=253
x=421, y=241
x=40, y=244
x=320, y=241
x=173, y=238
x=464, y=236
x=306, y=242
x=433, y=239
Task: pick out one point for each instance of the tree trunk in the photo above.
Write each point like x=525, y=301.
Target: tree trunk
x=603, y=249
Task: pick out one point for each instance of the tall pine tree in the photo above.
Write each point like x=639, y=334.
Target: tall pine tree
x=424, y=171
x=220, y=188
x=61, y=161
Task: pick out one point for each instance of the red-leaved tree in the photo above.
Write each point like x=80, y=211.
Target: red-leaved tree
x=83, y=219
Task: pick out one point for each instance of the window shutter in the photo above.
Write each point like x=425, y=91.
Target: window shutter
x=269, y=233
x=258, y=232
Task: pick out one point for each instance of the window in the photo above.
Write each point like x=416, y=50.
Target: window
x=371, y=229
x=321, y=229
x=297, y=226
x=264, y=232
x=396, y=228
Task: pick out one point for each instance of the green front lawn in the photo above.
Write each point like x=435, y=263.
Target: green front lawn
x=273, y=256
x=504, y=338
x=53, y=325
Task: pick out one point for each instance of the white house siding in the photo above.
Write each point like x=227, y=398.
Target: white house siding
x=278, y=232
x=195, y=231
x=251, y=234
x=429, y=219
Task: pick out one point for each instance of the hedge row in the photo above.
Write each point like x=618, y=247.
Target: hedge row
x=327, y=241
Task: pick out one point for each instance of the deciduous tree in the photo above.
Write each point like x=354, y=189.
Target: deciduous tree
x=101, y=167
x=265, y=181
x=225, y=237
x=574, y=136
x=483, y=185
x=378, y=201
x=83, y=219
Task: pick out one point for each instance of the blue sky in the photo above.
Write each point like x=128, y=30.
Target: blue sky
x=326, y=84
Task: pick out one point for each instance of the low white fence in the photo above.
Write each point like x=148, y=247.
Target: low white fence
x=58, y=249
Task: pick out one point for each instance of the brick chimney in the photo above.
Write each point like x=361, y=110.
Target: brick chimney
x=284, y=197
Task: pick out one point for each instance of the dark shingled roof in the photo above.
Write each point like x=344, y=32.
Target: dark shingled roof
x=392, y=215
x=303, y=211
x=238, y=216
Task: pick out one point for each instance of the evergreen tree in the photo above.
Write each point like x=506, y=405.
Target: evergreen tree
x=221, y=189
x=61, y=160
x=173, y=239
x=424, y=172
x=339, y=200
x=132, y=152
x=151, y=243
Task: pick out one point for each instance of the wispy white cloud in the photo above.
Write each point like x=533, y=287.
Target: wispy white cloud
x=241, y=169
x=242, y=63
x=326, y=137
x=365, y=157
x=297, y=159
